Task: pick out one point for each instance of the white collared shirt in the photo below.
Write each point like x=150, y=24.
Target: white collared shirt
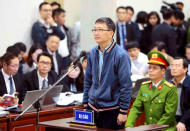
x=63, y=47
x=54, y=61
x=7, y=81
x=40, y=81
x=156, y=84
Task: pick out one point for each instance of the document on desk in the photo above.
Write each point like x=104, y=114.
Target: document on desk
x=69, y=98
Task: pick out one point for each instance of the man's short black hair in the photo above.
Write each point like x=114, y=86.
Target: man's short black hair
x=132, y=44
x=55, y=3
x=58, y=12
x=167, y=14
x=160, y=45
x=179, y=3
x=44, y=54
x=7, y=57
x=185, y=63
x=108, y=21
x=130, y=8
x=21, y=46
x=179, y=15
x=13, y=50
x=43, y=3
x=120, y=7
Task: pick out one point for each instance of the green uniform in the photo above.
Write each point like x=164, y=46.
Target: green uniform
x=159, y=104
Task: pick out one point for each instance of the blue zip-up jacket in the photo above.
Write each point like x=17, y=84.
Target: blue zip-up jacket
x=114, y=87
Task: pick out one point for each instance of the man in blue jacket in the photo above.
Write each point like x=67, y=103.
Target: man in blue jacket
x=107, y=84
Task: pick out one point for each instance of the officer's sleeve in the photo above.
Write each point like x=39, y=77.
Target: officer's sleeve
x=87, y=80
x=135, y=111
x=170, y=107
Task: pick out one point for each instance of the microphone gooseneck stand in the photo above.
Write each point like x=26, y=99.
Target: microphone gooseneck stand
x=36, y=103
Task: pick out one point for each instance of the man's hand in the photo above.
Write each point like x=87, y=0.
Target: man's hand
x=50, y=21
x=121, y=119
x=180, y=126
x=15, y=102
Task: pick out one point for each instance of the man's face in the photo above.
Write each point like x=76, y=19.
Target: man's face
x=134, y=53
x=121, y=15
x=187, y=53
x=12, y=68
x=155, y=72
x=129, y=15
x=177, y=68
x=44, y=65
x=60, y=19
x=46, y=11
x=102, y=34
x=84, y=64
x=53, y=43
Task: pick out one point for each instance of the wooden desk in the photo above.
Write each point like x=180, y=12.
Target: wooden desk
x=64, y=125
x=3, y=124
x=28, y=121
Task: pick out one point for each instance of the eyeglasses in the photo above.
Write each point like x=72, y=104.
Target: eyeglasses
x=45, y=63
x=99, y=30
x=47, y=10
x=177, y=66
x=14, y=66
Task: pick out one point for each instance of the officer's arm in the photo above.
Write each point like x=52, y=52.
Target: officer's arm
x=170, y=107
x=87, y=80
x=135, y=111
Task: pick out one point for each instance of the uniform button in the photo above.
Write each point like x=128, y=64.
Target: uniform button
x=150, y=118
x=152, y=102
x=150, y=110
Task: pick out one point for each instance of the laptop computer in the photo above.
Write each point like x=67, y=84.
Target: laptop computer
x=48, y=100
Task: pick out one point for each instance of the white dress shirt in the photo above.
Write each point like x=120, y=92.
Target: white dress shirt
x=40, y=81
x=7, y=81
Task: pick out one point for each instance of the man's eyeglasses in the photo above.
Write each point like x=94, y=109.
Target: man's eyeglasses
x=99, y=30
x=45, y=63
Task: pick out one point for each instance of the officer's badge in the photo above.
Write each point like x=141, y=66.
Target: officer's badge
x=154, y=55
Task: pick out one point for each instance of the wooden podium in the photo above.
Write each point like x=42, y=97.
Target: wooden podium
x=66, y=125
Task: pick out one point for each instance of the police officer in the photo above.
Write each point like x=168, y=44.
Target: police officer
x=157, y=97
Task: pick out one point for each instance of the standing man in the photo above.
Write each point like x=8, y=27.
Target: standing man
x=124, y=30
x=179, y=68
x=107, y=84
x=157, y=97
x=45, y=26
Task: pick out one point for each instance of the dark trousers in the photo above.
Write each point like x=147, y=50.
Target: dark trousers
x=107, y=119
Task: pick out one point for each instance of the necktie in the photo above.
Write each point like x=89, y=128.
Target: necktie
x=153, y=88
x=11, y=86
x=55, y=63
x=44, y=84
x=123, y=35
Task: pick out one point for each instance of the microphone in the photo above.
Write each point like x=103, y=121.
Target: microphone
x=82, y=54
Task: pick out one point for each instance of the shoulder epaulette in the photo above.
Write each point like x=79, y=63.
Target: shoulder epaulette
x=146, y=82
x=169, y=84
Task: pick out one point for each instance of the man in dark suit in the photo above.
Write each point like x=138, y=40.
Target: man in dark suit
x=52, y=45
x=42, y=77
x=124, y=31
x=179, y=68
x=45, y=25
x=164, y=32
x=10, y=80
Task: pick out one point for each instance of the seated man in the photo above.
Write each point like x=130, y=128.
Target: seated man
x=41, y=77
x=182, y=81
x=10, y=80
x=45, y=25
x=139, y=61
x=157, y=97
x=52, y=45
